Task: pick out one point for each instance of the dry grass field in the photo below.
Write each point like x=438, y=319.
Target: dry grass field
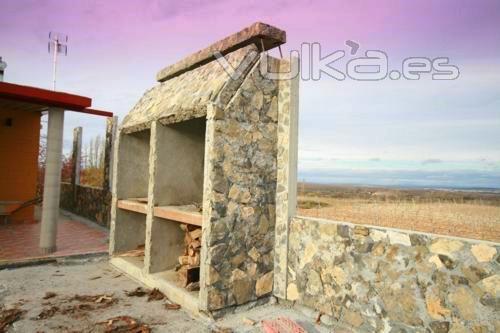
x=456, y=213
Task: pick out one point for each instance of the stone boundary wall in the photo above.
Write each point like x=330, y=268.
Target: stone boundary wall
x=372, y=279
x=92, y=203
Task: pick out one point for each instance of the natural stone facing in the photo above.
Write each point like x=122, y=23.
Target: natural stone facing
x=491, y=285
x=447, y=247
x=186, y=96
x=92, y=203
x=239, y=195
x=399, y=238
x=483, y=252
x=405, y=281
x=264, y=284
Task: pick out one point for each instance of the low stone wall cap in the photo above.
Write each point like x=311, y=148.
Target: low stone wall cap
x=261, y=34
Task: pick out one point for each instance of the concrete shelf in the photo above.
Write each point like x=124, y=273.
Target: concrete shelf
x=132, y=205
x=188, y=214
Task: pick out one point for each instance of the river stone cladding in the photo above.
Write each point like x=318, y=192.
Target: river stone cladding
x=379, y=280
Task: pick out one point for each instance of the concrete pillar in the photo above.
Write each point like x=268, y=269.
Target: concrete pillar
x=52, y=181
x=286, y=195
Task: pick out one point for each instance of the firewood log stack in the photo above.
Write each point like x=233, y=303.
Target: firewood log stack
x=189, y=263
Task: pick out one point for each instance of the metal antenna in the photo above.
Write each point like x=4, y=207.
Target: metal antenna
x=57, y=46
x=3, y=66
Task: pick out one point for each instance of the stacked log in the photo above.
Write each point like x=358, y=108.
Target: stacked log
x=189, y=263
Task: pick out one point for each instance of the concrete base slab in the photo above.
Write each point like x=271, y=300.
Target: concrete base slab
x=25, y=288
x=164, y=281
x=8, y=264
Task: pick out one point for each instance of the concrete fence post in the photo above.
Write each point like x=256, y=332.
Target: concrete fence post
x=76, y=159
x=52, y=181
x=111, y=126
x=109, y=148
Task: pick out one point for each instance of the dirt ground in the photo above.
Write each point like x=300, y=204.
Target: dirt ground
x=469, y=220
x=83, y=295
x=463, y=213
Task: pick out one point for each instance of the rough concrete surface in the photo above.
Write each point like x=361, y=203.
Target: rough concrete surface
x=26, y=287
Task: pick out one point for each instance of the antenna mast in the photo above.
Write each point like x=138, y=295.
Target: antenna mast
x=56, y=46
x=3, y=65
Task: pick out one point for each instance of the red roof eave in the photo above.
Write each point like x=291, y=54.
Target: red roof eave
x=49, y=98
x=44, y=97
x=97, y=112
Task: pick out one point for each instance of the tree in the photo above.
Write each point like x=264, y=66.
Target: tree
x=92, y=172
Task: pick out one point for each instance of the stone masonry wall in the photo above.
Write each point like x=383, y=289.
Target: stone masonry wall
x=93, y=203
x=239, y=199
x=90, y=202
x=379, y=280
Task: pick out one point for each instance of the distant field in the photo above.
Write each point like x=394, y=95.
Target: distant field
x=456, y=213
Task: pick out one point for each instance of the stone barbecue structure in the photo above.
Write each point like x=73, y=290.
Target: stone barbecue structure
x=200, y=148
x=203, y=149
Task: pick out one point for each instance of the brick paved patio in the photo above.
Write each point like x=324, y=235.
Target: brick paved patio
x=20, y=241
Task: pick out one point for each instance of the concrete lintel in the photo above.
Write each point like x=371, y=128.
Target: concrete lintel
x=263, y=35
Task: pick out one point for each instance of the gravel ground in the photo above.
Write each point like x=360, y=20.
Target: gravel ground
x=25, y=288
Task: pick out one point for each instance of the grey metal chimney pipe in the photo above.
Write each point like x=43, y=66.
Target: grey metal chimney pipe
x=3, y=65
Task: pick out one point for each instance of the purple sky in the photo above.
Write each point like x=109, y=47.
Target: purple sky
x=116, y=48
